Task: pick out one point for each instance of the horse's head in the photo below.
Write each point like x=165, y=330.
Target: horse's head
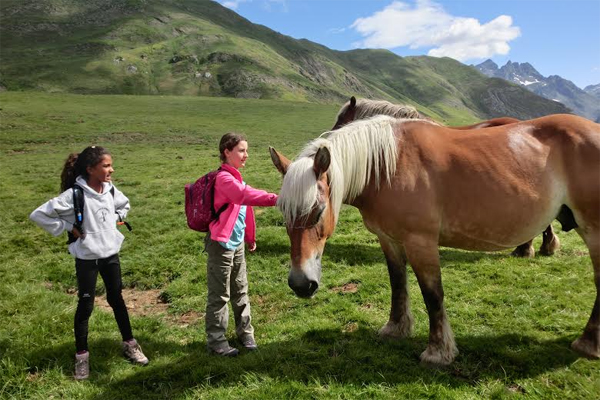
x=346, y=115
x=310, y=220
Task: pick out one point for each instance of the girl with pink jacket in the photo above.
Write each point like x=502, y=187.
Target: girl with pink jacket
x=226, y=266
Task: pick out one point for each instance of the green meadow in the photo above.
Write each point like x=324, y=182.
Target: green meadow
x=513, y=319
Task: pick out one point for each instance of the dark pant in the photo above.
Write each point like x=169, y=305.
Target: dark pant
x=87, y=274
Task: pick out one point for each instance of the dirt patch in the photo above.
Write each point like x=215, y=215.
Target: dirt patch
x=12, y=152
x=144, y=303
x=346, y=288
x=189, y=318
x=516, y=388
x=32, y=376
x=350, y=327
x=122, y=137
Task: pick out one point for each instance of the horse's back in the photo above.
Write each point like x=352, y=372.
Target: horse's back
x=531, y=168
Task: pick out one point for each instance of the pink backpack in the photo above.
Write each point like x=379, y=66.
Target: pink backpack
x=199, y=202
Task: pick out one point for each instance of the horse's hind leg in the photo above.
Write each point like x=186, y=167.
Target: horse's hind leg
x=400, y=323
x=588, y=343
x=525, y=250
x=550, y=243
x=423, y=255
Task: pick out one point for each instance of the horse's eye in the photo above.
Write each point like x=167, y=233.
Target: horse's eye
x=317, y=216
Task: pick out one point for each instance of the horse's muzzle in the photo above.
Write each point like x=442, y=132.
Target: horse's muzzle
x=304, y=291
x=305, y=282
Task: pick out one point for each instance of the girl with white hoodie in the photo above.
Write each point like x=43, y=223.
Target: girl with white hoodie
x=95, y=244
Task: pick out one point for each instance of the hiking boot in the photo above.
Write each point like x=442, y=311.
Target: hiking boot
x=250, y=344
x=82, y=366
x=226, y=351
x=133, y=352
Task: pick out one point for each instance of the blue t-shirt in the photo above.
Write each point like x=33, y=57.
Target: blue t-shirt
x=237, y=236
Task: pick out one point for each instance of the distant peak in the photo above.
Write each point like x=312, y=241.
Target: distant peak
x=488, y=65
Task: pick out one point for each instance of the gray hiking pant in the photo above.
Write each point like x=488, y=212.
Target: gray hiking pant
x=227, y=280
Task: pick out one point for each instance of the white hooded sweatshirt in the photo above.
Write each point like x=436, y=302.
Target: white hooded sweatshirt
x=101, y=237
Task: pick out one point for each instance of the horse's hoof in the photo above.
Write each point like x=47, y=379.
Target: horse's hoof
x=586, y=348
x=392, y=330
x=548, y=249
x=437, y=359
x=523, y=252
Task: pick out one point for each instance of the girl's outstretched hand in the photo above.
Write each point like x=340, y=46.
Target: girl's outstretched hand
x=252, y=247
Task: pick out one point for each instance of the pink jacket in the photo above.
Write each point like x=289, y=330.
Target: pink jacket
x=230, y=189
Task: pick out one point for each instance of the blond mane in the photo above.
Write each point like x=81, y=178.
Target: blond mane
x=360, y=150
x=366, y=108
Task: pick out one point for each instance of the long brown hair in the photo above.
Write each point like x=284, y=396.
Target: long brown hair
x=77, y=164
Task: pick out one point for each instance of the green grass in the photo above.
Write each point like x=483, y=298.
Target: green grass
x=513, y=319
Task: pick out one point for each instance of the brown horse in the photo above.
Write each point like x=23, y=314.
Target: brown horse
x=366, y=108
x=419, y=186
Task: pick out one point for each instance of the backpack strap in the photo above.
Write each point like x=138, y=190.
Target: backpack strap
x=212, y=200
x=78, y=203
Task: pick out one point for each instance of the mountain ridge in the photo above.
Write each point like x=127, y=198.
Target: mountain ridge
x=185, y=47
x=554, y=87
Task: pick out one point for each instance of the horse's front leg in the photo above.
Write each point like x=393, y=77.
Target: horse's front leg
x=400, y=324
x=423, y=256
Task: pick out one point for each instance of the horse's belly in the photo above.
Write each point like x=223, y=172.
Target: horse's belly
x=488, y=235
x=459, y=241
x=496, y=219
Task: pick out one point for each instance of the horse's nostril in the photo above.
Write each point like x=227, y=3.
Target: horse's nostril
x=312, y=287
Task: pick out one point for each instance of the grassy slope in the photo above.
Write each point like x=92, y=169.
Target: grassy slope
x=125, y=46
x=513, y=319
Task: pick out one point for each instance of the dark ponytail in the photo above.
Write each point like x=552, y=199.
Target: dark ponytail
x=77, y=164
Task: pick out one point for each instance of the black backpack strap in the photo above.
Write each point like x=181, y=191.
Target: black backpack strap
x=78, y=203
x=212, y=201
x=218, y=213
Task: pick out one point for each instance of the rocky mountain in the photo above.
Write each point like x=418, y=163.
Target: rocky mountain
x=593, y=90
x=200, y=48
x=582, y=102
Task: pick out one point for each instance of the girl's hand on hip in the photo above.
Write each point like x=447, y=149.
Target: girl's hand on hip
x=76, y=233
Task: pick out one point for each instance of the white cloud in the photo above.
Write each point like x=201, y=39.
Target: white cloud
x=427, y=24
x=233, y=4
x=281, y=3
x=266, y=4
x=335, y=31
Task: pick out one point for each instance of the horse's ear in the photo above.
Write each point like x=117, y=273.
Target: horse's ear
x=322, y=161
x=279, y=160
x=352, y=101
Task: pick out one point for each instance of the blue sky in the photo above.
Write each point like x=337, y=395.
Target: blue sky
x=557, y=37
